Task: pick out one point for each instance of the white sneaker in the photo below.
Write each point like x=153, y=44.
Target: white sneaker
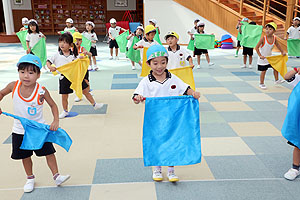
x=95, y=68
x=291, y=174
x=250, y=66
x=262, y=86
x=278, y=82
x=98, y=106
x=90, y=68
x=63, y=114
x=243, y=66
x=172, y=177
x=29, y=186
x=211, y=64
x=110, y=58
x=133, y=67
x=236, y=55
x=117, y=57
x=157, y=175
x=77, y=99
x=61, y=179
x=198, y=67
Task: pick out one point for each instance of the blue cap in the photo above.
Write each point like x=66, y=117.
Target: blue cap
x=156, y=51
x=32, y=59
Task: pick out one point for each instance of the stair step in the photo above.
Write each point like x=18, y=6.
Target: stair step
x=248, y=14
x=232, y=6
x=256, y=18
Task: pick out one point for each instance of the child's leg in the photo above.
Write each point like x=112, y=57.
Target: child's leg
x=132, y=63
x=207, y=58
x=90, y=60
x=111, y=52
x=64, y=98
x=27, y=164
x=94, y=60
x=52, y=164
x=245, y=59
x=262, y=77
x=198, y=59
x=88, y=95
x=250, y=60
x=140, y=63
x=296, y=157
x=275, y=74
x=117, y=51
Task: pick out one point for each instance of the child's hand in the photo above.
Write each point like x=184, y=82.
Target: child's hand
x=192, y=65
x=283, y=53
x=43, y=36
x=52, y=68
x=196, y=95
x=28, y=51
x=0, y=111
x=262, y=57
x=54, y=126
x=112, y=38
x=138, y=98
x=140, y=47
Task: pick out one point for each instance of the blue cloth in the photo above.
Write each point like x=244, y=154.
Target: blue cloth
x=36, y=134
x=291, y=126
x=171, y=132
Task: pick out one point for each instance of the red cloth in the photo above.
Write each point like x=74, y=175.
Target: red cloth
x=122, y=24
x=228, y=40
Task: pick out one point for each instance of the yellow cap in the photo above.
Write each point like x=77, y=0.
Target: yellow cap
x=172, y=33
x=273, y=25
x=149, y=29
x=76, y=35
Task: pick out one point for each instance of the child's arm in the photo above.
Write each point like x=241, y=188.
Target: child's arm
x=257, y=48
x=138, y=98
x=28, y=48
x=51, y=68
x=191, y=62
x=8, y=89
x=110, y=36
x=55, y=124
x=158, y=29
x=291, y=73
x=129, y=36
x=123, y=29
x=279, y=47
x=85, y=52
x=195, y=94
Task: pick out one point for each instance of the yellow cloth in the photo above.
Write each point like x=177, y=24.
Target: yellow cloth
x=279, y=63
x=75, y=72
x=145, y=67
x=185, y=74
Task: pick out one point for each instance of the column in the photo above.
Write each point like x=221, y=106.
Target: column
x=9, y=22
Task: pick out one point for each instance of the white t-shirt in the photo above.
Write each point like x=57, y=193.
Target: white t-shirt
x=193, y=31
x=91, y=36
x=294, y=33
x=59, y=59
x=145, y=43
x=70, y=29
x=179, y=58
x=33, y=38
x=171, y=86
x=114, y=31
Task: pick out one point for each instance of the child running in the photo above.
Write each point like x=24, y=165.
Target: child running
x=64, y=56
x=28, y=98
x=114, y=32
x=158, y=84
x=91, y=35
x=264, y=48
x=24, y=24
x=69, y=27
x=139, y=34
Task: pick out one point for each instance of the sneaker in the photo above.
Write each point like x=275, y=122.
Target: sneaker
x=172, y=177
x=211, y=64
x=98, y=106
x=243, y=66
x=117, y=58
x=236, y=55
x=110, y=58
x=157, y=175
x=278, y=82
x=262, y=86
x=90, y=68
x=95, y=68
x=198, y=67
x=133, y=67
x=61, y=179
x=29, y=186
x=250, y=66
x=77, y=99
x=63, y=114
x=291, y=174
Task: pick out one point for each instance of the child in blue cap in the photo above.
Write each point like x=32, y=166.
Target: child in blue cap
x=28, y=98
x=161, y=83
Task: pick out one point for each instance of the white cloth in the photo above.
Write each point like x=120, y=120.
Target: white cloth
x=91, y=36
x=114, y=31
x=30, y=108
x=145, y=43
x=33, y=38
x=179, y=58
x=294, y=33
x=266, y=50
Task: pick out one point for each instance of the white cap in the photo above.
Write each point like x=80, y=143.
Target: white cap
x=112, y=21
x=90, y=23
x=245, y=19
x=197, y=20
x=296, y=18
x=32, y=20
x=25, y=20
x=153, y=21
x=140, y=27
x=200, y=24
x=69, y=20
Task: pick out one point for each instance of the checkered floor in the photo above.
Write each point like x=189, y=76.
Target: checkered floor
x=244, y=154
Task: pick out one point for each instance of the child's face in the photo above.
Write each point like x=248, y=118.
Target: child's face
x=32, y=28
x=78, y=42
x=28, y=77
x=88, y=27
x=64, y=46
x=201, y=28
x=172, y=41
x=195, y=23
x=269, y=31
x=296, y=22
x=150, y=36
x=158, y=65
x=113, y=25
x=69, y=25
x=139, y=32
x=152, y=24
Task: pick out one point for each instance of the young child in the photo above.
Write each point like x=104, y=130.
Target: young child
x=114, y=32
x=91, y=35
x=264, y=48
x=24, y=24
x=194, y=31
x=69, y=26
x=294, y=31
x=178, y=56
x=199, y=52
x=153, y=22
x=158, y=84
x=248, y=51
x=64, y=56
x=28, y=98
x=238, y=27
x=139, y=34
x=147, y=41
x=34, y=35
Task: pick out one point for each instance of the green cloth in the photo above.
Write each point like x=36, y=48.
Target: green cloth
x=251, y=35
x=204, y=41
x=133, y=54
x=86, y=43
x=191, y=45
x=40, y=50
x=22, y=37
x=240, y=37
x=71, y=31
x=156, y=37
x=293, y=46
x=122, y=41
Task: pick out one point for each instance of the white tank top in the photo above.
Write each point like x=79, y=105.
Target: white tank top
x=266, y=50
x=30, y=108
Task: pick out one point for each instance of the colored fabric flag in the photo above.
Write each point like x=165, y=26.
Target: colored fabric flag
x=171, y=132
x=156, y=37
x=22, y=37
x=293, y=46
x=145, y=67
x=279, y=63
x=36, y=134
x=240, y=36
x=251, y=35
x=122, y=41
x=86, y=43
x=204, y=41
x=191, y=45
x=133, y=54
x=75, y=72
x=71, y=31
x=185, y=74
x=40, y=50
x=291, y=126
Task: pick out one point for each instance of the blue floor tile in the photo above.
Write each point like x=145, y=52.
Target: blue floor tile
x=221, y=97
x=242, y=116
x=121, y=171
x=217, y=130
x=208, y=84
x=280, y=96
x=8, y=140
x=266, y=105
x=117, y=86
x=235, y=84
x=245, y=73
x=248, y=89
x=273, y=116
x=88, y=109
x=116, y=76
x=205, y=106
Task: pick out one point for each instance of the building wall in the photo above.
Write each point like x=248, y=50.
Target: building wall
x=25, y=6
x=20, y=11
x=131, y=5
